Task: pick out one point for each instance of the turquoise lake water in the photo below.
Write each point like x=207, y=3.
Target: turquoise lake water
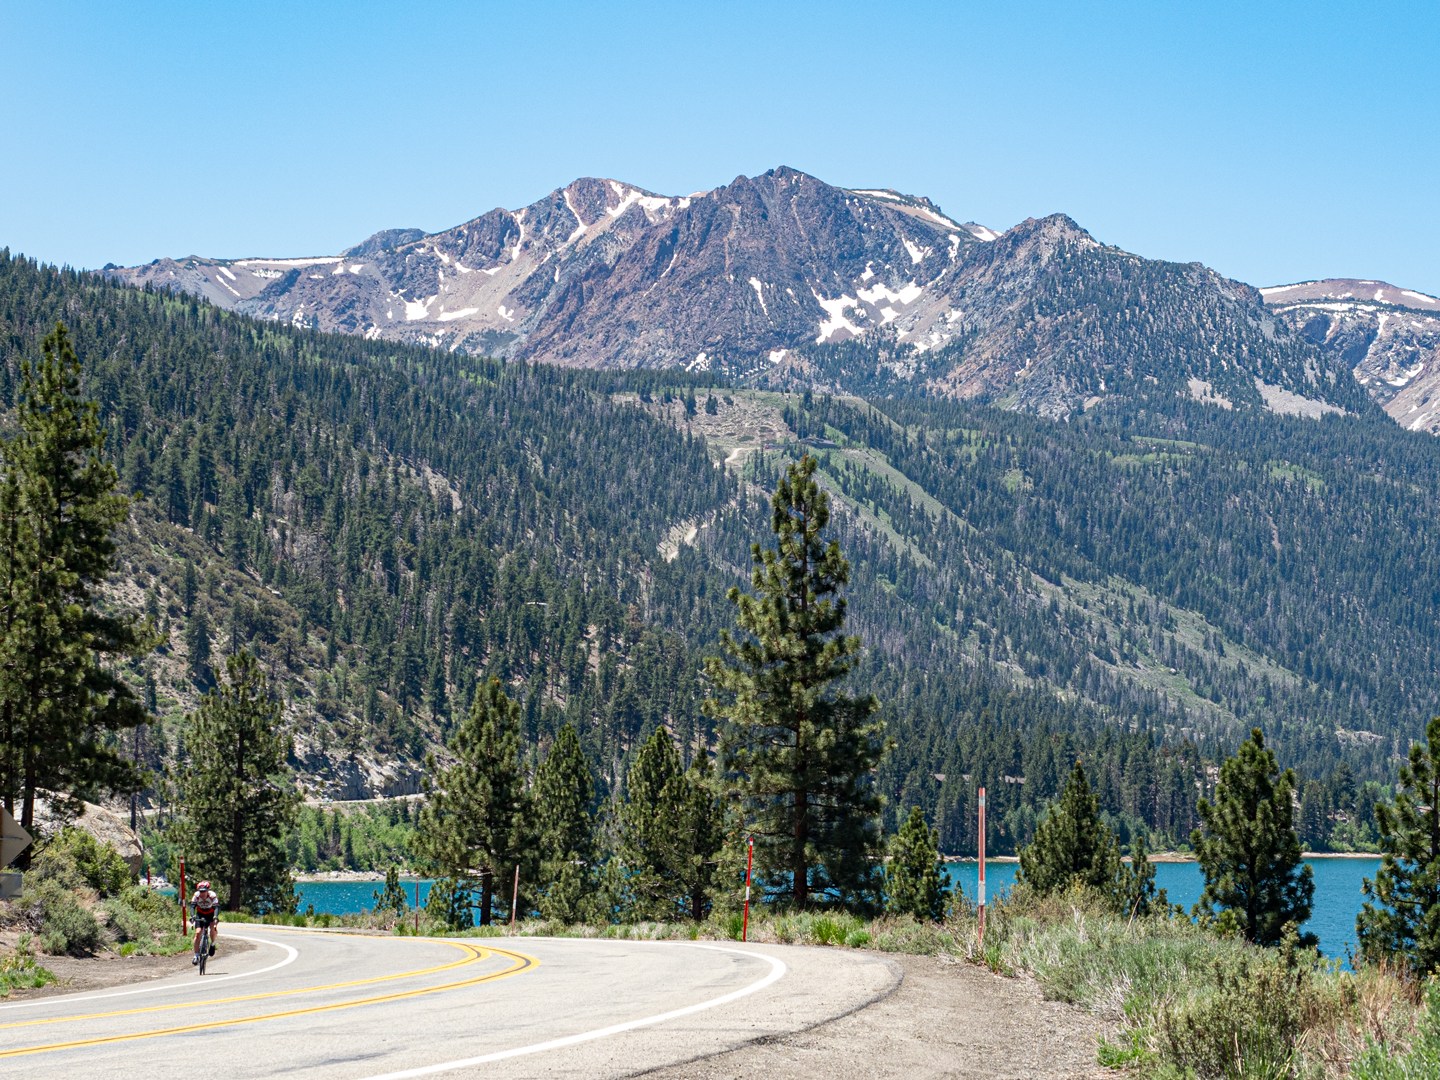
x=1337, y=893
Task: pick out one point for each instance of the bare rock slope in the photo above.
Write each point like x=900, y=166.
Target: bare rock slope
x=1390, y=338
x=783, y=277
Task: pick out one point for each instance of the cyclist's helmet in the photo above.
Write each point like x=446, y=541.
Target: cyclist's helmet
x=204, y=886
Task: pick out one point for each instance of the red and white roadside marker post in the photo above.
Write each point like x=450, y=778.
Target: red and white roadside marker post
x=749, y=865
x=515, y=898
x=184, y=926
x=417, y=909
x=982, y=868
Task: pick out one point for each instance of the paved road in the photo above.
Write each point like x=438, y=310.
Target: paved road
x=364, y=1008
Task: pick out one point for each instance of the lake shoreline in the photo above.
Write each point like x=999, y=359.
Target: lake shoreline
x=1168, y=857
x=1155, y=857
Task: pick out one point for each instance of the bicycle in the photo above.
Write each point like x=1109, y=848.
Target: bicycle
x=205, y=949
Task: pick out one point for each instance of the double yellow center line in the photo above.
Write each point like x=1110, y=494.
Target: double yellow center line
x=518, y=962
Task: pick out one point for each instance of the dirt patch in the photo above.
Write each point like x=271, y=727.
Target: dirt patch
x=945, y=1019
x=105, y=970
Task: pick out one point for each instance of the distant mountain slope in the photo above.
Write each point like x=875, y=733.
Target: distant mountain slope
x=768, y=278
x=385, y=525
x=1389, y=336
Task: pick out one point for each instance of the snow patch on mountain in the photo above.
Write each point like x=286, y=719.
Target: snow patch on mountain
x=759, y=288
x=451, y=316
x=837, y=323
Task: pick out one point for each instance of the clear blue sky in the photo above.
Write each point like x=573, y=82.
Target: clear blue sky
x=1273, y=141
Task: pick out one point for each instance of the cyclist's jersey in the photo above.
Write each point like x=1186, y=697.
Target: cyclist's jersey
x=205, y=904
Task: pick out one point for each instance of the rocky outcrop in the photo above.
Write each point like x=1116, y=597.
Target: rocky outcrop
x=104, y=824
x=1389, y=337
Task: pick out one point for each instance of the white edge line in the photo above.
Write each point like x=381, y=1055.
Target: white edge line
x=777, y=971
x=167, y=984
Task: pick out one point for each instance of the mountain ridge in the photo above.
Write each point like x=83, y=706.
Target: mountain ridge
x=768, y=279
x=1389, y=337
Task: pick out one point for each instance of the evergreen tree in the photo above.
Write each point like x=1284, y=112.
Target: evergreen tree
x=1135, y=891
x=564, y=812
x=391, y=898
x=1072, y=844
x=670, y=833
x=59, y=700
x=799, y=753
x=451, y=903
x=913, y=881
x=237, y=797
x=197, y=645
x=1248, y=850
x=475, y=828
x=1404, y=923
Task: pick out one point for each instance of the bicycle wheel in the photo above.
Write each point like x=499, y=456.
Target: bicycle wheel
x=204, y=948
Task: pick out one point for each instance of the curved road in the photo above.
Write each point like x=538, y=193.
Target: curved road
x=380, y=1008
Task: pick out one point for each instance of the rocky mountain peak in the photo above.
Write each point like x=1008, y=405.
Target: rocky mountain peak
x=749, y=276
x=383, y=240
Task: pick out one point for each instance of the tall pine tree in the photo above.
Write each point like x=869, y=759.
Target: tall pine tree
x=914, y=884
x=475, y=828
x=1404, y=924
x=1072, y=844
x=798, y=752
x=565, y=813
x=238, y=798
x=58, y=514
x=1249, y=851
x=670, y=833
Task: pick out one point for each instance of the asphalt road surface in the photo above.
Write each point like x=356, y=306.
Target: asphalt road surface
x=318, y=1004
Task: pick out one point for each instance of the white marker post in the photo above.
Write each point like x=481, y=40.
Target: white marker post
x=749, y=863
x=982, y=867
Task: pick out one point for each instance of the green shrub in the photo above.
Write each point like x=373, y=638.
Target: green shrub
x=127, y=925
x=1246, y=1025
x=55, y=912
x=1102, y=962
x=911, y=936
x=144, y=921
x=97, y=864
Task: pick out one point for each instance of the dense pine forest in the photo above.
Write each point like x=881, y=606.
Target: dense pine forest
x=387, y=527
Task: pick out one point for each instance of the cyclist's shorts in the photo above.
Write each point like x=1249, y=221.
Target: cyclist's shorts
x=204, y=919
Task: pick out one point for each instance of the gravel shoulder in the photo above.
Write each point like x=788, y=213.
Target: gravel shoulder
x=945, y=1018
x=106, y=970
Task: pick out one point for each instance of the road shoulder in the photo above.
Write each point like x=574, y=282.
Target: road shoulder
x=107, y=970
x=944, y=1019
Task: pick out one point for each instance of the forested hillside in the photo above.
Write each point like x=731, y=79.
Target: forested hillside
x=386, y=525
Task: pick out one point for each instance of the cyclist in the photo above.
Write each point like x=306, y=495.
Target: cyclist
x=205, y=906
